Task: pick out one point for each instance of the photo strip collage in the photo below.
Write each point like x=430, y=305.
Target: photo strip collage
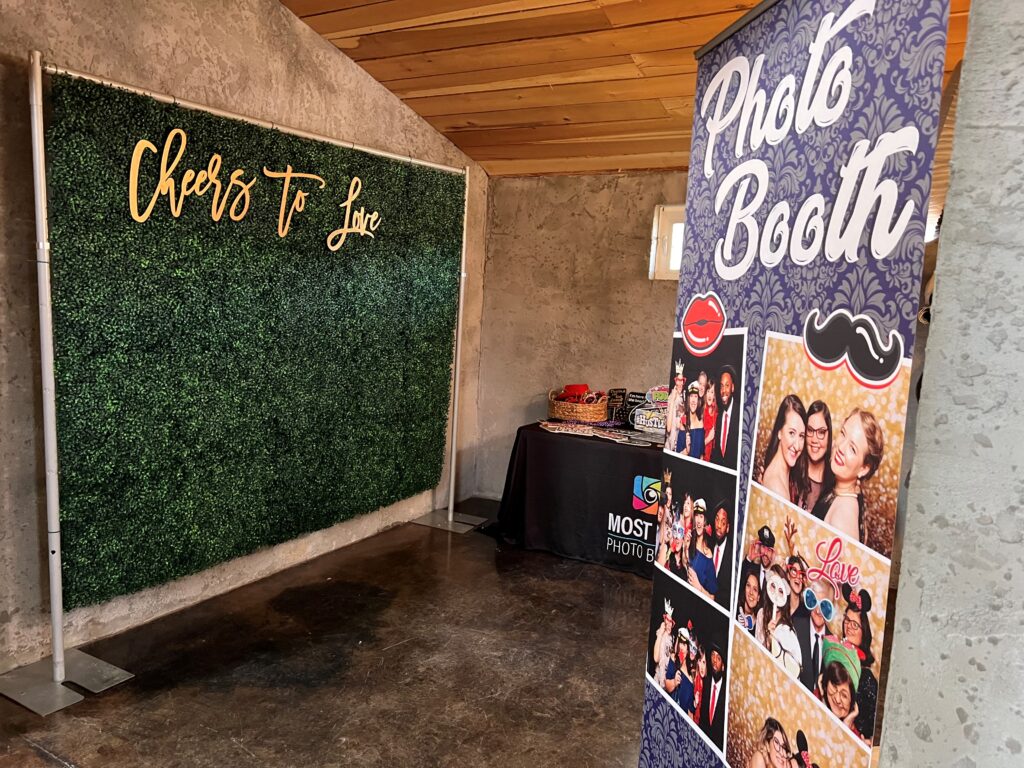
x=787, y=614
x=690, y=637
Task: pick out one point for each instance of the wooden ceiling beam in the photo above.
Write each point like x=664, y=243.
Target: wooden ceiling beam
x=403, y=14
x=574, y=132
x=556, y=95
x=541, y=23
x=618, y=9
x=577, y=18
x=616, y=148
x=528, y=76
x=529, y=87
x=576, y=165
x=303, y=8
x=676, y=61
x=646, y=11
x=663, y=36
x=577, y=6
x=560, y=115
x=957, y=32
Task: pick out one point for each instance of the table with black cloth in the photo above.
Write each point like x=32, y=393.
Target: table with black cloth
x=573, y=496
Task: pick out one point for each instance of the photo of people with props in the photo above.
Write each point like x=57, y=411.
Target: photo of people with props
x=695, y=540
x=776, y=724
x=815, y=603
x=830, y=445
x=704, y=408
x=687, y=655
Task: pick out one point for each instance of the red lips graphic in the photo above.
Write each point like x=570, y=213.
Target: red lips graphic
x=703, y=324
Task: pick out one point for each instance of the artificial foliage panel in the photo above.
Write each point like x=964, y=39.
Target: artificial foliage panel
x=221, y=388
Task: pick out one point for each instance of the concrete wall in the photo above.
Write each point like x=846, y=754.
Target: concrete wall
x=246, y=56
x=956, y=685
x=568, y=298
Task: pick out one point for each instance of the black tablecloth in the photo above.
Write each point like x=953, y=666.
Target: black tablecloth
x=574, y=496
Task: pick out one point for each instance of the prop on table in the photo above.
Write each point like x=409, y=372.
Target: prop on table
x=617, y=405
x=610, y=434
x=658, y=396
x=607, y=424
x=649, y=418
x=577, y=402
x=562, y=427
x=624, y=436
x=647, y=412
x=633, y=401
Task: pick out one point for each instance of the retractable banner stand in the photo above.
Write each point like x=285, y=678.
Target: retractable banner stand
x=810, y=168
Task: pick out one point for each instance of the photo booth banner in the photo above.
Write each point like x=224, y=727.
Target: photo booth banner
x=810, y=170
x=253, y=334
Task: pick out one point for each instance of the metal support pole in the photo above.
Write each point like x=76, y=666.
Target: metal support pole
x=460, y=523
x=454, y=451
x=30, y=686
x=46, y=360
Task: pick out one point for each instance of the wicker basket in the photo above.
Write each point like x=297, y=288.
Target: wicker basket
x=577, y=411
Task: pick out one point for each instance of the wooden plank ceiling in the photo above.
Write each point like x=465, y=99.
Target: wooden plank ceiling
x=530, y=87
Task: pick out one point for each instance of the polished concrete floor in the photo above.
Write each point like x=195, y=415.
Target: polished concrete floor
x=413, y=648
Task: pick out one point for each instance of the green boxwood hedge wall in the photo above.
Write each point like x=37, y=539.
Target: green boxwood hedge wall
x=219, y=388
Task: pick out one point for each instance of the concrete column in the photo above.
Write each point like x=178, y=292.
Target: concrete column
x=956, y=687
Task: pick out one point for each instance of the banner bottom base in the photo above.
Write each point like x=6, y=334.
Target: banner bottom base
x=32, y=686
x=461, y=524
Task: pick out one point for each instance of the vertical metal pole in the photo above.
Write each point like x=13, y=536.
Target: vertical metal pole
x=46, y=359
x=458, y=359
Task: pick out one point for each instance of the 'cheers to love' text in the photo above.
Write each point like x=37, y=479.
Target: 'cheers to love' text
x=234, y=194
x=864, y=202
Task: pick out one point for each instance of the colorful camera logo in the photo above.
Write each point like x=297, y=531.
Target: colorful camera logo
x=646, y=493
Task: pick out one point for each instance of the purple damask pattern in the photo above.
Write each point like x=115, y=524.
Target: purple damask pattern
x=899, y=53
x=669, y=740
x=898, y=62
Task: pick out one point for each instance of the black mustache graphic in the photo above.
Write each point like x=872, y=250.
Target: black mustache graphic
x=858, y=341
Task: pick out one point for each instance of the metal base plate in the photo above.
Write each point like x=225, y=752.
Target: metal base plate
x=91, y=673
x=34, y=689
x=461, y=524
x=473, y=520
x=32, y=686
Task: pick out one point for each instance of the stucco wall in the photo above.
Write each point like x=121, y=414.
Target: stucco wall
x=246, y=56
x=956, y=686
x=568, y=298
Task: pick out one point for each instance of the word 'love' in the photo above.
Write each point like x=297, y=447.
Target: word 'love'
x=832, y=567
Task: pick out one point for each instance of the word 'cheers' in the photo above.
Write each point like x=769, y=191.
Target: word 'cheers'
x=234, y=195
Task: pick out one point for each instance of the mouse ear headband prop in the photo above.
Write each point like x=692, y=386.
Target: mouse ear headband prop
x=802, y=755
x=860, y=600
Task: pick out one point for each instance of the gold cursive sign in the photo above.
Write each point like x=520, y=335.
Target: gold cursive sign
x=284, y=221
x=356, y=222
x=235, y=196
x=192, y=182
